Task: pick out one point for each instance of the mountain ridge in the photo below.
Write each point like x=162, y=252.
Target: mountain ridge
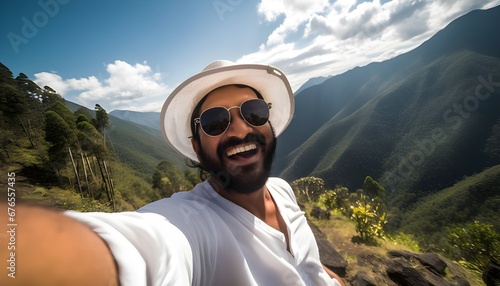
x=149, y=119
x=390, y=85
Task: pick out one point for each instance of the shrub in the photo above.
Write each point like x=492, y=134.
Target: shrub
x=369, y=218
x=476, y=243
x=308, y=189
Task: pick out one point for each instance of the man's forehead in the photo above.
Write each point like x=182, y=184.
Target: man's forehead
x=230, y=94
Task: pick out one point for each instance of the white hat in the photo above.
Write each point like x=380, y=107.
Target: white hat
x=269, y=81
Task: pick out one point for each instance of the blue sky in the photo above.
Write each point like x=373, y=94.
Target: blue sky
x=132, y=54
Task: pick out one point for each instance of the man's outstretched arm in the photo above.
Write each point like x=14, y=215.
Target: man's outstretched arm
x=50, y=248
x=333, y=275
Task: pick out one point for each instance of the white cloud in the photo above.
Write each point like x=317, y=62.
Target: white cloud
x=84, y=83
x=318, y=38
x=295, y=13
x=53, y=80
x=133, y=87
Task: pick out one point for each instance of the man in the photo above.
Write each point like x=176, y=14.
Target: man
x=239, y=227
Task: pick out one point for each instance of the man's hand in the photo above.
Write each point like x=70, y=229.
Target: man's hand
x=53, y=249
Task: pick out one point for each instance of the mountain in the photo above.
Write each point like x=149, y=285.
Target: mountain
x=141, y=147
x=417, y=123
x=149, y=119
x=312, y=82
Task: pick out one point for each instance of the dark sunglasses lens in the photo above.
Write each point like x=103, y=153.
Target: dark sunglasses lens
x=214, y=121
x=255, y=112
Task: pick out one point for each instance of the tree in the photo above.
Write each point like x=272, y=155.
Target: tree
x=308, y=188
x=90, y=145
x=168, y=179
x=374, y=189
x=337, y=198
x=12, y=101
x=101, y=119
x=477, y=243
x=5, y=74
x=60, y=135
x=49, y=97
x=57, y=130
x=328, y=200
x=65, y=113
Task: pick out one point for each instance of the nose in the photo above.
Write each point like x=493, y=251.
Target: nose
x=238, y=127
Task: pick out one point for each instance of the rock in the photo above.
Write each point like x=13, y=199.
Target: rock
x=404, y=275
x=459, y=281
x=328, y=255
x=408, y=268
x=319, y=213
x=362, y=279
x=491, y=275
x=401, y=253
x=434, y=262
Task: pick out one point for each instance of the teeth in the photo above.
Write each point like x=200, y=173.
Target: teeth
x=241, y=149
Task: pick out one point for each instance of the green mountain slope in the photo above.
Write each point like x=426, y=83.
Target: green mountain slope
x=149, y=119
x=415, y=123
x=474, y=198
x=137, y=145
x=141, y=147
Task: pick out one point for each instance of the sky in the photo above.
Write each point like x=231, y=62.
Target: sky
x=130, y=54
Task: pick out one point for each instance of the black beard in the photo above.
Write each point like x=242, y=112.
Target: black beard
x=240, y=183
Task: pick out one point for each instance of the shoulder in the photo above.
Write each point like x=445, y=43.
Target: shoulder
x=281, y=187
x=187, y=207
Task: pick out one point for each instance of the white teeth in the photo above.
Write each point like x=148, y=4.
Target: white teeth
x=241, y=149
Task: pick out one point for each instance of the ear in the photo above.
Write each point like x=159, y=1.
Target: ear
x=196, y=147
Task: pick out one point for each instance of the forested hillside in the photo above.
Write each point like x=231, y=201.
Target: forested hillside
x=425, y=125
x=419, y=123
x=81, y=159
x=377, y=120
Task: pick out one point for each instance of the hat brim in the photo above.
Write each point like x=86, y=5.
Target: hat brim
x=177, y=109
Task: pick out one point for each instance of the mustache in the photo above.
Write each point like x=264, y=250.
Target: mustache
x=233, y=141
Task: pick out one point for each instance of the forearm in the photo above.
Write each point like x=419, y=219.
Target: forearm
x=333, y=275
x=53, y=249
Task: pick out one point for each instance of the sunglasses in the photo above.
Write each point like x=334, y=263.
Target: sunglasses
x=215, y=120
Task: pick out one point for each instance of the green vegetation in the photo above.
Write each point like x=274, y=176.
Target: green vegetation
x=396, y=121
x=475, y=198
x=475, y=244
x=369, y=216
x=67, y=159
x=168, y=179
x=64, y=199
x=472, y=244
x=308, y=188
x=365, y=208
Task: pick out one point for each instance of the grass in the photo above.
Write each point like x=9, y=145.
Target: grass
x=62, y=199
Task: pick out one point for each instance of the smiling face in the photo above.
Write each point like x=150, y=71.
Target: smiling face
x=239, y=159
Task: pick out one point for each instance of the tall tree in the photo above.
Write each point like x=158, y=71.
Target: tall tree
x=373, y=188
x=60, y=135
x=101, y=118
x=49, y=97
x=68, y=116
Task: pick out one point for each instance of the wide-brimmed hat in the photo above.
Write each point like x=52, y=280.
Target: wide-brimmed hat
x=268, y=80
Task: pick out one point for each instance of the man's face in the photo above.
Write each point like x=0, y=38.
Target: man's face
x=224, y=156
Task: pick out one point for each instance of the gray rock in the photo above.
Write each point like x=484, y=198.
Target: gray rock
x=328, y=255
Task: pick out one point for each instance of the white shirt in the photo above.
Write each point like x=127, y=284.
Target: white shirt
x=201, y=238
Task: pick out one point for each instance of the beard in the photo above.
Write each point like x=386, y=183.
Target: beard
x=241, y=180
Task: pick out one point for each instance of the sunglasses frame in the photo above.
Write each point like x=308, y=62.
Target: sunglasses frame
x=198, y=119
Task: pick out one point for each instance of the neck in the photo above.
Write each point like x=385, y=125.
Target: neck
x=259, y=203
x=254, y=202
